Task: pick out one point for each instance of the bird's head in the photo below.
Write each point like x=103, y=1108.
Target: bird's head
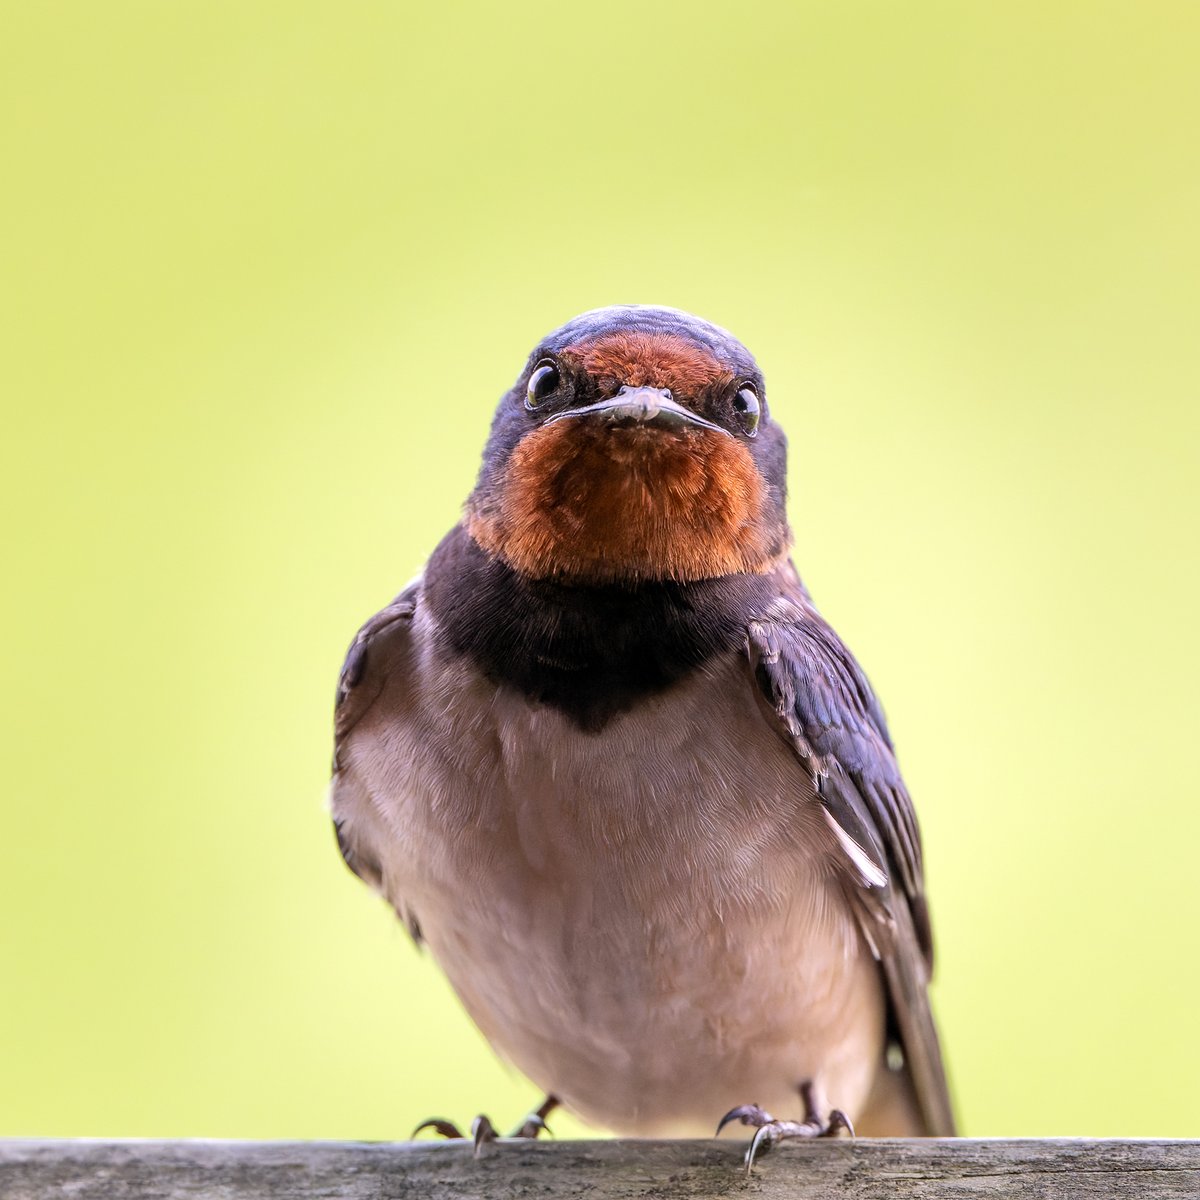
x=635, y=445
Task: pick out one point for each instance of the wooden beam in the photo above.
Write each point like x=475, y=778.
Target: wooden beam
x=600, y=1170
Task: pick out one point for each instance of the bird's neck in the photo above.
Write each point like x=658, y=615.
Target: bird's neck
x=589, y=651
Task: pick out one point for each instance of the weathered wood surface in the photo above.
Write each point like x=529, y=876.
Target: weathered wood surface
x=600, y=1170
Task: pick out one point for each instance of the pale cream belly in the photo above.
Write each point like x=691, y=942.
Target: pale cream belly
x=648, y=1023
x=645, y=921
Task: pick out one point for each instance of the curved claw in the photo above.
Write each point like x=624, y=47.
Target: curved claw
x=761, y=1143
x=748, y=1114
x=482, y=1130
x=531, y=1127
x=447, y=1129
x=838, y=1120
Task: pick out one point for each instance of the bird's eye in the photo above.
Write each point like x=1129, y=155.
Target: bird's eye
x=542, y=384
x=746, y=405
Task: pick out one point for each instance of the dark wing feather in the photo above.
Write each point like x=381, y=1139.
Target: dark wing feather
x=829, y=714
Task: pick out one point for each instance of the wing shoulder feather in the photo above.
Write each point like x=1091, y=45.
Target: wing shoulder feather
x=361, y=679
x=376, y=646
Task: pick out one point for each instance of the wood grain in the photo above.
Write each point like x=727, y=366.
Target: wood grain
x=600, y=1170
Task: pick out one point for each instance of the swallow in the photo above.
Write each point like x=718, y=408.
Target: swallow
x=607, y=761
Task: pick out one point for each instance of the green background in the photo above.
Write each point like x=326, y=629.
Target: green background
x=266, y=269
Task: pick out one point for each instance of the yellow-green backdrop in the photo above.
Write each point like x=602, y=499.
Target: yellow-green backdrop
x=265, y=270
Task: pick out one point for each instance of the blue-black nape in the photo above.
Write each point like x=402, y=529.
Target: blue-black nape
x=651, y=318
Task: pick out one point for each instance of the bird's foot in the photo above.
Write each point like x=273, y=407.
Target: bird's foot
x=768, y=1132
x=482, y=1129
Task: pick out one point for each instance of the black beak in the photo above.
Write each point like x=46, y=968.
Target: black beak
x=645, y=405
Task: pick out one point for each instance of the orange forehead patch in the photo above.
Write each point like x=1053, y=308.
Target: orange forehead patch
x=603, y=504
x=663, y=360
